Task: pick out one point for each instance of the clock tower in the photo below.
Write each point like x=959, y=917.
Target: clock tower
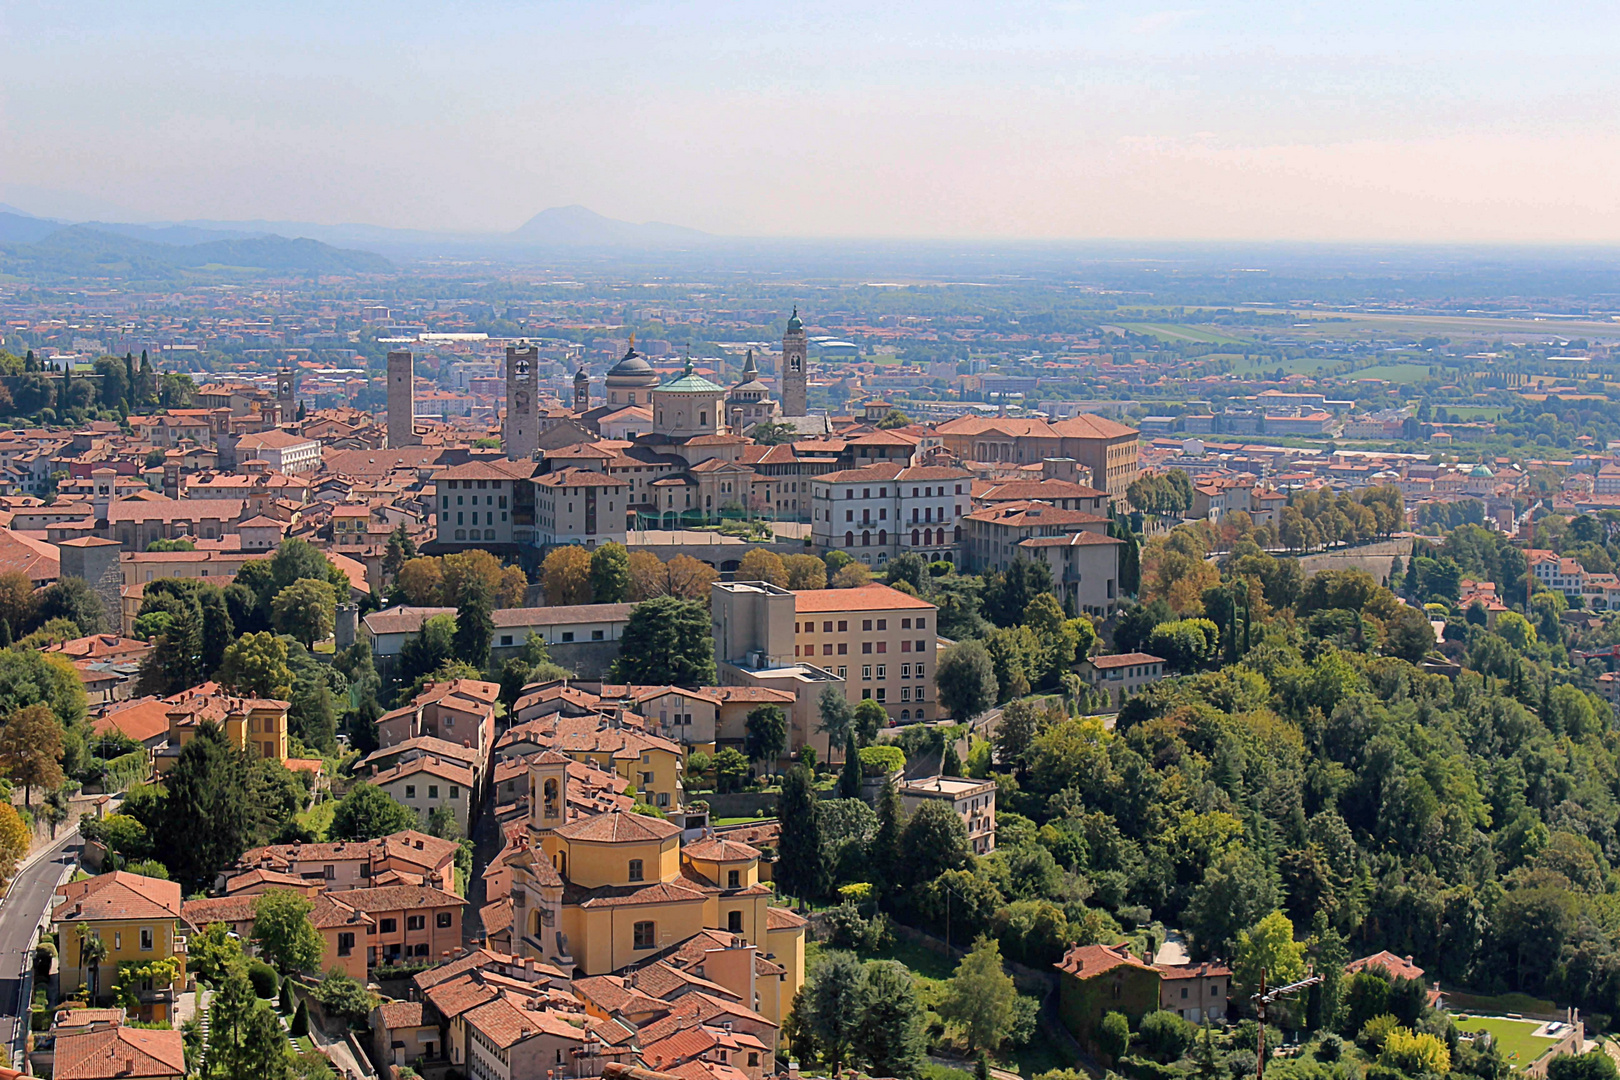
x=522, y=432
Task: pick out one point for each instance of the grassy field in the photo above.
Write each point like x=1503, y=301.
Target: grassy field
x=1476, y=412
x=1513, y=1037
x=319, y=819
x=1396, y=373
x=1300, y=365
x=1180, y=332
x=737, y=820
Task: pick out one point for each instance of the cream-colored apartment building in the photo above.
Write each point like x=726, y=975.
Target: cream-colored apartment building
x=877, y=639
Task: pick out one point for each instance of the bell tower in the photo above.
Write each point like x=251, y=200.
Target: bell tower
x=548, y=792
x=795, y=368
x=522, y=432
x=286, y=408
x=582, y=390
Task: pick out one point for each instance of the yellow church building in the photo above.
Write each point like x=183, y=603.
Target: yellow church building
x=599, y=893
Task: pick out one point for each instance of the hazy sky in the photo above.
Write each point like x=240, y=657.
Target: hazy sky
x=1419, y=120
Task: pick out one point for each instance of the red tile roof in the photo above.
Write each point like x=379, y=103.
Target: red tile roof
x=1089, y=961
x=862, y=598
x=121, y=1052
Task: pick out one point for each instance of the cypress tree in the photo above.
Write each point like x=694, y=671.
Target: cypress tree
x=849, y=780
x=5, y=633
x=885, y=849
x=300, y=1021
x=801, y=868
x=952, y=765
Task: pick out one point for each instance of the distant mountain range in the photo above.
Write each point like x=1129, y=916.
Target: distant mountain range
x=268, y=246
x=42, y=249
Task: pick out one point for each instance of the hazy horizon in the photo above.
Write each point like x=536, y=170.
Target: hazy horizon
x=1382, y=123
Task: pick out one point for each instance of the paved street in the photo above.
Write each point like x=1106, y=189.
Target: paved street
x=21, y=910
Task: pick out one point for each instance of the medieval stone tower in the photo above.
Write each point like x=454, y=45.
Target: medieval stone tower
x=522, y=433
x=401, y=400
x=286, y=407
x=582, y=390
x=795, y=369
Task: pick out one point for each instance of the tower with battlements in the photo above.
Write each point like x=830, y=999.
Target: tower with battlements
x=522, y=432
x=795, y=369
x=401, y=399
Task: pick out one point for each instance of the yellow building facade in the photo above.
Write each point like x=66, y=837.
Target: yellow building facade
x=597, y=893
x=138, y=920
x=256, y=723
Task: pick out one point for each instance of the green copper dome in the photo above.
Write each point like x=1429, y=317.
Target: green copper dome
x=794, y=322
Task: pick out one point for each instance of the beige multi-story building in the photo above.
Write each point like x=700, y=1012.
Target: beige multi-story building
x=579, y=506
x=880, y=511
x=879, y=640
x=476, y=500
x=994, y=534
x=1106, y=447
x=973, y=800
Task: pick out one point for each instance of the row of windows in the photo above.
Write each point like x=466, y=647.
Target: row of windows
x=809, y=627
x=883, y=537
x=461, y=534
x=432, y=791
x=883, y=492
x=881, y=694
x=467, y=485
x=866, y=648
x=883, y=673
x=489, y=517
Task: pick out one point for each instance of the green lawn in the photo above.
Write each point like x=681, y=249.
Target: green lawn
x=1395, y=373
x=319, y=819
x=1475, y=412
x=1512, y=1036
x=737, y=820
x=1299, y=365
x=1182, y=332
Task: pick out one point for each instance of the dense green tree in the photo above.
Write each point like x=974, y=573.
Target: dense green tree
x=666, y=641
x=836, y=717
x=765, y=734
x=306, y=610
x=832, y=998
x=256, y=665
x=475, y=626
x=207, y=818
x=980, y=999
x=610, y=574
x=801, y=868
x=72, y=598
x=366, y=812
x=966, y=680
x=890, y=1038
x=283, y=932
x=849, y=778
x=933, y=841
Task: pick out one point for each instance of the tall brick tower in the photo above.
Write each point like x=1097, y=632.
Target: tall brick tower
x=582, y=390
x=401, y=400
x=286, y=407
x=795, y=369
x=522, y=433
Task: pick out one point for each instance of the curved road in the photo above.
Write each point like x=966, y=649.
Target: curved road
x=25, y=904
